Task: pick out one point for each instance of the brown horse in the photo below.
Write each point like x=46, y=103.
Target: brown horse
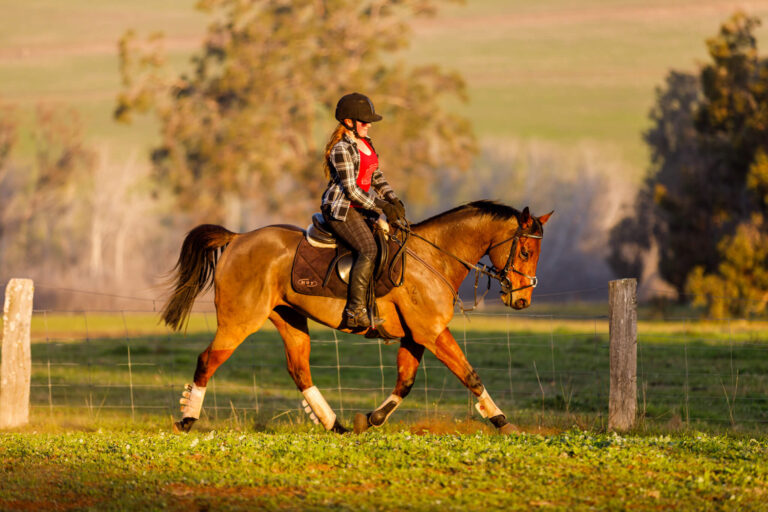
x=252, y=278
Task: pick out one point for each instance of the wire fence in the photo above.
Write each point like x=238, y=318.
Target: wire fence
x=690, y=372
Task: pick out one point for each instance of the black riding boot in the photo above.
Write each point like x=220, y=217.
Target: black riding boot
x=356, y=314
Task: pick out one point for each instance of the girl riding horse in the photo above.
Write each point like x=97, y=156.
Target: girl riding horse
x=356, y=189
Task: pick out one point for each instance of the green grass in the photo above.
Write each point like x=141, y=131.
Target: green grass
x=542, y=370
x=99, y=436
x=386, y=470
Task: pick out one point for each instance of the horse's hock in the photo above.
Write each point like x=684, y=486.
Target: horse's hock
x=16, y=362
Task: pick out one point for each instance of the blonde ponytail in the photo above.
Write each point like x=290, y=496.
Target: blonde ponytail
x=336, y=136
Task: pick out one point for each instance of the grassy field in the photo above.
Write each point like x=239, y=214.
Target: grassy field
x=106, y=387
x=543, y=370
x=384, y=470
x=550, y=70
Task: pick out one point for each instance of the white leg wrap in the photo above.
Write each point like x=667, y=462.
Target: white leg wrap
x=323, y=413
x=192, y=401
x=486, y=407
x=391, y=398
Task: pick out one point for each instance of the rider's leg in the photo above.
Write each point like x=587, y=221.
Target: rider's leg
x=356, y=312
x=292, y=327
x=356, y=233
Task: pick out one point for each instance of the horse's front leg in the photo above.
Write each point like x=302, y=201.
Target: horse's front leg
x=408, y=359
x=292, y=326
x=449, y=353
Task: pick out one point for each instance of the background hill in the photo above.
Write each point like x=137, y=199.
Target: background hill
x=558, y=94
x=554, y=70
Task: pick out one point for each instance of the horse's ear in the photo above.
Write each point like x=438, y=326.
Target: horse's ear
x=526, y=217
x=544, y=218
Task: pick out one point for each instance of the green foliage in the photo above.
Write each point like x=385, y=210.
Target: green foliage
x=381, y=471
x=663, y=209
x=247, y=127
x=740, y=286
x=709, y=172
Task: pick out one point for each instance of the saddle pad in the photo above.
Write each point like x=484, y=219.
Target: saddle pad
x=311, y=266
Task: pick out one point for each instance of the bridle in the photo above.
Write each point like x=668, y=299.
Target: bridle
x=503, y=275
x=492, y=272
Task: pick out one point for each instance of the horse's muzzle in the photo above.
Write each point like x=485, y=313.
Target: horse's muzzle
x=520, y=304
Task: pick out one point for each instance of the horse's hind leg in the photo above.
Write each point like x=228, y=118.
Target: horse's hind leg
x=448, y=351
x=292, y=326
x=224, y=343
x=408, y=359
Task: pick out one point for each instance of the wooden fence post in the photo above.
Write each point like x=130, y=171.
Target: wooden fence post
x=622, y=402
x=16, y=363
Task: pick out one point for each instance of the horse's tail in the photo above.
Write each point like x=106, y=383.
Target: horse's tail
x=194, y=271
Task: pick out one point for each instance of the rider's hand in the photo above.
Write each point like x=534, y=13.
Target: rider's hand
x=389, y=209
x=400, y=207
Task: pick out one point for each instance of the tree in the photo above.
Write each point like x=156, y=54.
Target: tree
x=246, y=129
x=706, y=180
x=663, y=208
x=740, y=285
x=40, y=213
x=8, y=136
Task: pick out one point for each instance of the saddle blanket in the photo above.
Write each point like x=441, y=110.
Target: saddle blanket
x=311, y=267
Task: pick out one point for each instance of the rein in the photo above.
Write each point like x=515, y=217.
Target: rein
x=501, y=275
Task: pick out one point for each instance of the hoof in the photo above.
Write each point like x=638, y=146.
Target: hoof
x=339, y=428
x=508, y=429
x=361, y=423
x=185, y=425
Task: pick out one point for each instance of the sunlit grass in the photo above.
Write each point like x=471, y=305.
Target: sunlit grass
x=383, y=470
x=542, y=369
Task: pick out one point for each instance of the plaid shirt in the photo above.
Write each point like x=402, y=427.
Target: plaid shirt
x=342, y=188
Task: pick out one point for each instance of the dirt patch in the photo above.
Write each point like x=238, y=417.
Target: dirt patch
x=312, y=468
x=42, y=483
x=448, y=426
x=542, y=431
x=208, y=497
x=212, y=491
x=56, y=503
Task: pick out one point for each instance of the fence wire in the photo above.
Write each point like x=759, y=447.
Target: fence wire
x=98, y=363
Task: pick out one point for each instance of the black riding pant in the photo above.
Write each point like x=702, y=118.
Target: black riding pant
x=354, y=232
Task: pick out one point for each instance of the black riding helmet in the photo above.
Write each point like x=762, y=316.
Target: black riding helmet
x=357, y=107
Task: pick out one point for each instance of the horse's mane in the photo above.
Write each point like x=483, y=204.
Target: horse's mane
x=495, y=210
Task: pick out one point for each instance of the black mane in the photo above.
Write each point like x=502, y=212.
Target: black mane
x=495, y=210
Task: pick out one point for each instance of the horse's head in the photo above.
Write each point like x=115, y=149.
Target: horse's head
x=516, y=255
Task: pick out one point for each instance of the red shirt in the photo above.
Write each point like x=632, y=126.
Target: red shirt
x=368, y=164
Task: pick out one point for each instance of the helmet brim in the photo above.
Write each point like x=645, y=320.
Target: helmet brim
x=371, y=119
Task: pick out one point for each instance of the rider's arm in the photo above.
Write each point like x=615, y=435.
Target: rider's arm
x=343, y=161
x=379, y=182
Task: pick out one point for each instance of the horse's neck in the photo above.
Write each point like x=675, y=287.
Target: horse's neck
x=467, y=238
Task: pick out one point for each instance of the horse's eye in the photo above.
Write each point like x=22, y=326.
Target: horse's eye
x=524, y=254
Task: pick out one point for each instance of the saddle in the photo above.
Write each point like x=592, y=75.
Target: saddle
x=322, y=263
